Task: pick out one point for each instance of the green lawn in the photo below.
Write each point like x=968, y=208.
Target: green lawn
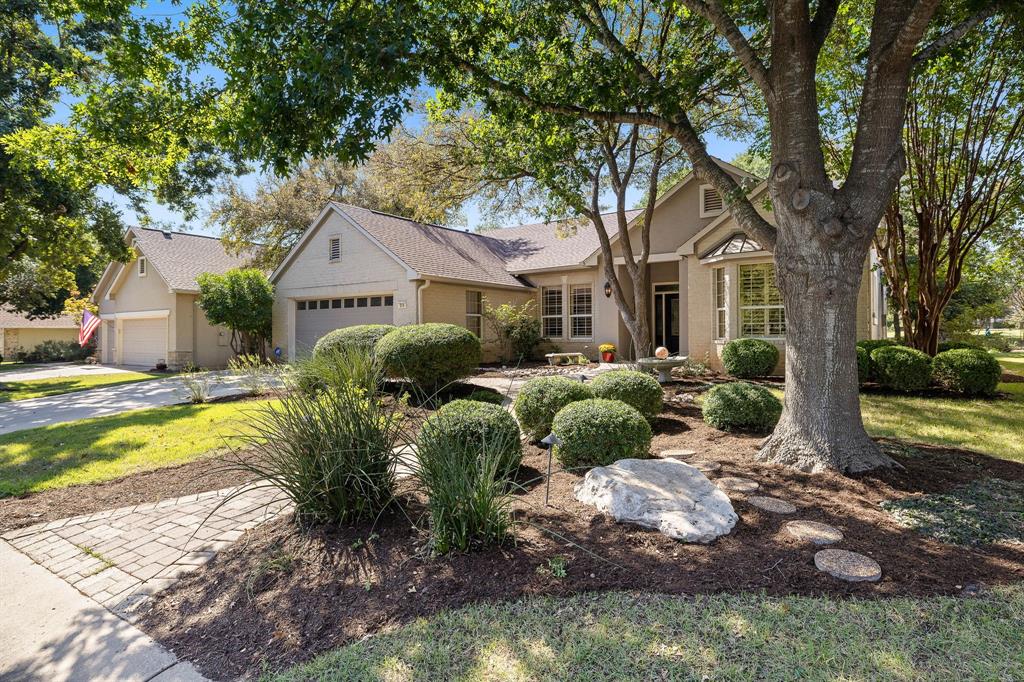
x=618, y=636
x=100, y=449
x=15, y=366
x=1011, y=362
x=40, y=388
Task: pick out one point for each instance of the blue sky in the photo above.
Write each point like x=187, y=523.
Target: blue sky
x=173, y=10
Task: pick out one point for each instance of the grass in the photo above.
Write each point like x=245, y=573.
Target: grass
x=625, y=636
x=992, y=427
x=15, y=366
x=104, y=448
x=1011, y=362
x=41, y=388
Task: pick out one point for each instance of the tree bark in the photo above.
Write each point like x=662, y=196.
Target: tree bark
x=820, y=427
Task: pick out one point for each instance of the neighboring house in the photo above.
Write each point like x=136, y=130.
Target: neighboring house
x=149, y=305
x=709, y=282
x=18, y=334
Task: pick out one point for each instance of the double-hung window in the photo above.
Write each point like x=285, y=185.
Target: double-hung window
x=761, y=309
x=551, y=312
x=581, y=312
x=720, y=304
x=475, y=312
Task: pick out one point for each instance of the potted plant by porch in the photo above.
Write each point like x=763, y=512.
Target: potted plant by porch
x=607, y=352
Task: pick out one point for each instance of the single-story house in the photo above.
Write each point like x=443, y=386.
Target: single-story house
x=709, y=282
x=149, y=305
x=20, y=334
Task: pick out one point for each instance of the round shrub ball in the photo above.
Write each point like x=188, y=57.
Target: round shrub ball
x=970, y=371
x=597, y=432
x=956, y=345
x=360, y=336
x=430, y=355
x=871, y=345
x=637, y=389
x=473, y=424
x=863, y=365
x=901, y=368
x=541, y=398
x=746, y=358
x=741, y=406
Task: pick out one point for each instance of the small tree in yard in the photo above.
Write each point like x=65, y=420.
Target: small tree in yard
x=241, y=300
x=517, y=329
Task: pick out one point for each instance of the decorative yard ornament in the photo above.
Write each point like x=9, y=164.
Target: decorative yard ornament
x=549, y=441
x=661, y=352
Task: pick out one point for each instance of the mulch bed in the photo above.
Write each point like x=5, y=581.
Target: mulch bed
x=282, y=595
x=148, y=486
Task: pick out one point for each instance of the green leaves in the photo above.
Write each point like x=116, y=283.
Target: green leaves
x=241, y=300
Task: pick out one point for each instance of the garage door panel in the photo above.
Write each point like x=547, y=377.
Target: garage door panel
x=315, y=318
x=144, y=342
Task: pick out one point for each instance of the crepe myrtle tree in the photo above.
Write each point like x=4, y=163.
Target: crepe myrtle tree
x=333, y=77
x=241, y=300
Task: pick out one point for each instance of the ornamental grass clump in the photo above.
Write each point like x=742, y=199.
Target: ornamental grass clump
x=331, y=451
x=541, y=398
x=637, y=389
x=598, y=431
x=463, y=472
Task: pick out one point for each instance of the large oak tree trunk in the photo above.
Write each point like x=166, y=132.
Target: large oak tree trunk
x=821, y=425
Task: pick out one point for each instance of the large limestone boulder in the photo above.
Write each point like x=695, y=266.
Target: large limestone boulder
x=666, y=494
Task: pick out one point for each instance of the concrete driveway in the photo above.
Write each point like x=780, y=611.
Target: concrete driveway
x=99, y=402
x=58, y=370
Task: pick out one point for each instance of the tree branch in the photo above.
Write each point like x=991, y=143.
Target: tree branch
x=713, y=12
x=821, y=25
x=955, y=33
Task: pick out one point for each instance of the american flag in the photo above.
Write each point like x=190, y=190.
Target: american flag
x=89, y=324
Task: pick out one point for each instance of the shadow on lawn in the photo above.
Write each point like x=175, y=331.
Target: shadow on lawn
x=42, y=388
x=34, y=457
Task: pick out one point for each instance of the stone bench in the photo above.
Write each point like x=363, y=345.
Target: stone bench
x=567, y=359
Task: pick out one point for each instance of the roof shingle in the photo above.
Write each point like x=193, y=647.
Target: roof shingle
x=180, y=257
x=12, y=320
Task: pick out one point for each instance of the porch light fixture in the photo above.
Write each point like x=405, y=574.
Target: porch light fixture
x=607, y=289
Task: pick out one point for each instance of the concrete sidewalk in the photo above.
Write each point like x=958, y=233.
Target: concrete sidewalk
x=99, y=402
x=49, y=631
x=59, y=370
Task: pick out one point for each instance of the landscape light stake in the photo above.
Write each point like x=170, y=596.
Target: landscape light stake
x=549, y=441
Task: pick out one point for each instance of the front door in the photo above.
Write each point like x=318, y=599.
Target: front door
x=666, y=316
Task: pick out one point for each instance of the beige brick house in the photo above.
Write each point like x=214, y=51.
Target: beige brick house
x=709, y=282
x=148, y=306
x=19, y=334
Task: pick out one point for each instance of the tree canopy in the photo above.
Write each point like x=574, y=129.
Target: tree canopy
x=241, y=300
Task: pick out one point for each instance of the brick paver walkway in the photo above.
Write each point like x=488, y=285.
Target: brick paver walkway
x=121, y=557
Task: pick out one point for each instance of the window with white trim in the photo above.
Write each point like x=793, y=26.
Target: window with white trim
x=475, y=312
x=720, y=301
x=581, y=311
x=551, y=312
x=761, y=310
x=711, y=203
x=142, y=267
x=334, y=249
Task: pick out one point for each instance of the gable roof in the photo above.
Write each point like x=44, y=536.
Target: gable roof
x=180, y=257
x=542, y=246
x=737, y=242
x=12, y=320
x=435, y=251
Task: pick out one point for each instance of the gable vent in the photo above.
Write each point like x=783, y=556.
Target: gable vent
x=142, y=267
x=334, y=249
x=710, y=201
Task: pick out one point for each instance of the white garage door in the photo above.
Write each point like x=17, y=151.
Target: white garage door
x=144, y=342
x=315, y=318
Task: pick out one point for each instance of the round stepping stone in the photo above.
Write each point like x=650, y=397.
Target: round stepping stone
x=736, y=484
x=678, y=454
x=812, y=531
x=704, y=465
x=849, y=566
x=772, y=504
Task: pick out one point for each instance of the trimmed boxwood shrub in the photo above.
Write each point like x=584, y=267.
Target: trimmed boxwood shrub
x=637, y=389
x=541, y=398
x=361, y=336
x=597, y=431
x=475, y=425
x=869, y=346
x=863, y=365
x=741, y=406
x=485, y=396
x=901, y=368
x=970, y=371
x=956, y=345
x=430, y=355
x=746, y=358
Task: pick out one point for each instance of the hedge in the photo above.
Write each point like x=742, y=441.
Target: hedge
x=901, y=368
x=430, y=355
x=747, y=358
x=637, y=389
x=541, y=398
x=970, y=371
x=361, y=336
x=597, y=432
x=741, y=406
